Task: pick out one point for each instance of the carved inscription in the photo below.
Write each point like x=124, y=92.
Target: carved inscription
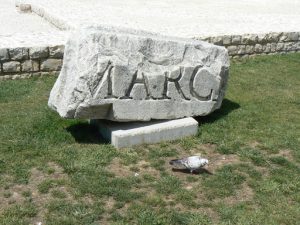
x=183, y=83
x=130, y=75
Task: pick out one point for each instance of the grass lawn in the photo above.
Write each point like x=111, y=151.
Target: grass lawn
x=58, y=171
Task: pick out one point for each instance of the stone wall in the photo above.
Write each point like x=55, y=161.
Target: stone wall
x=16, y=63
x=257, y=44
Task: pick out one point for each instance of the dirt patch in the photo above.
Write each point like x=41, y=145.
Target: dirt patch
x=118, y=169
x=110, y=203
x=244, y=194
x=109, y=206
x=141, y=168
x=219, y=161
x=265, y=171
x=286, y=153
x=216, y=160
x=208, y=147
x=254, y=144
x=19, y=194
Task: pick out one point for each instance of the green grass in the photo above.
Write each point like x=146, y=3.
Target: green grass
x=58, y=171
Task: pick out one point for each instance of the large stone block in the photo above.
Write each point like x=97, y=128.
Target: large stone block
x=51, y=65
x=218, y=40
x=18, y=53
x=57, y=52
x=249, y=39
x=30, y=66
x=258, y=48
x=227, y=40
x=38, y=52
x=11, y=67
x=128, y=75
x=292, y=36
x=236, y=39
x=4, y=54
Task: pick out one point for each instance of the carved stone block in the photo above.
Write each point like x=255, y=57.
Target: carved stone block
x=128, y=75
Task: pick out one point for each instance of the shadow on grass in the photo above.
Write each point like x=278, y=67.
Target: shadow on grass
x=199, y=171
x=86, y=133
x=226, y=108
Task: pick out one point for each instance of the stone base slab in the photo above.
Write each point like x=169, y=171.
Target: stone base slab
x=127, y=134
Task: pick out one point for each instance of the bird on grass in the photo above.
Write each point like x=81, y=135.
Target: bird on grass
x=191, y=163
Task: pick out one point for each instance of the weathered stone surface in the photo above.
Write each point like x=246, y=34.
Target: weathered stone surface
x=236, y=39
x=292, y=36
x=207, y=39
x=11, y=67
x=249, y=49
x=18, y=53
x=4, y=54
x=241, y=50
x=218, y=40
x=135, y=133
x=279, y=46
x=258, y=48
x=262, y=38
x=227, y=39
x=297, y=45
x=273, y=37
x=38, y=52
x=30, y=66
x=26, y=8
x=249, y=39
x=128, y=75
x=57, y=52
x=51, y=65
x=273, y=47
x=290, y=46
x=267, y=48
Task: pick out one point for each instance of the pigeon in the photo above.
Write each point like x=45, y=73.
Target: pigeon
x=191, y=163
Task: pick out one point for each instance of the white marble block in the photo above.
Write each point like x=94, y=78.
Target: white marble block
x=128, y=134
x=128, y=75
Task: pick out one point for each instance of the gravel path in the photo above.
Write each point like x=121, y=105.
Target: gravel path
x=192, y=18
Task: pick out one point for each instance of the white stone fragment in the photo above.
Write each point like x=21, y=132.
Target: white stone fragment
x=128, y=75
x=135, y=133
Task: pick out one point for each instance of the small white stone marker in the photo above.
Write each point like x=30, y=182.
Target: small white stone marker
x=129, y=134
